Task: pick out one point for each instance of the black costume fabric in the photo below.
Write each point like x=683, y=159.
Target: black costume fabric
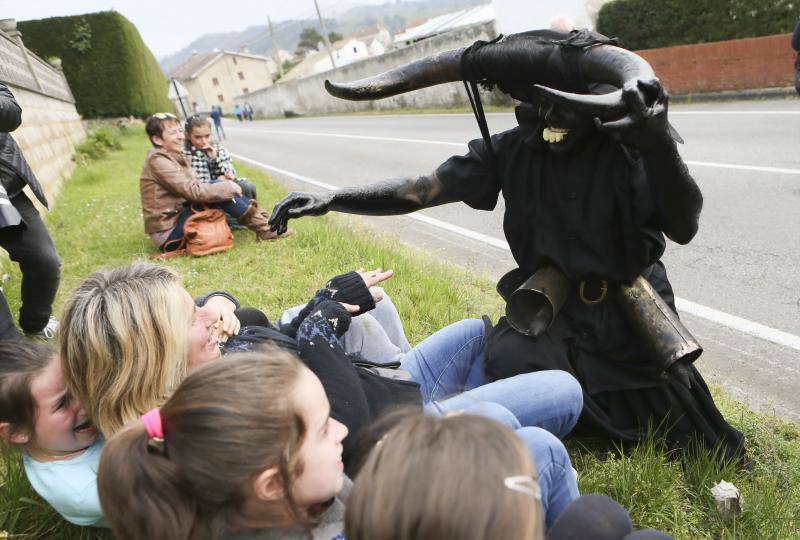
x=356, y=393
x=588, y=212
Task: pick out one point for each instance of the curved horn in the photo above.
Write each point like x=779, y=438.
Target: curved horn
x=603, y=64
x=440, y=68
x=603, y=105
x=513, y=63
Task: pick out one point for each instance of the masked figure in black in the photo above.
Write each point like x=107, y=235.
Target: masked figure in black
x=592, y=182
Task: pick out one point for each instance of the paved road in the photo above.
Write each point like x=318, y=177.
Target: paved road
x=737, y=280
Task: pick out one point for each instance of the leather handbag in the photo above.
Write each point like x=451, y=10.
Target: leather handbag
x=205, y=232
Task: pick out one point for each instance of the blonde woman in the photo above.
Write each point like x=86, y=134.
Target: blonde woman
x=130, y=335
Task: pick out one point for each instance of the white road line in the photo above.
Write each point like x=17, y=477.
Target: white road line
x=710, y=314
x=463, y=146
x=778, y=170
x=674, y=110
x=360, y=137
x=740, y=324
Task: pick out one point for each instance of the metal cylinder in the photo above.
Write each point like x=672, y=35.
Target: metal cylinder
x=657, y=325
x=533, y=306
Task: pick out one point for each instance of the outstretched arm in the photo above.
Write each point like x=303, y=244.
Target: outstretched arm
x=678, y=200
x=389, y=197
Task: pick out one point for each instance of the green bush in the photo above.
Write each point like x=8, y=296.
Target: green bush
x=109, y=68
x=98, y=144
x=644, y=24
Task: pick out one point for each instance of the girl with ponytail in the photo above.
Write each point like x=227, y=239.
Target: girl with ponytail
x=243, y=443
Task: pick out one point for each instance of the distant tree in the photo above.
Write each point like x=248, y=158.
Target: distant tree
x=333, y=37
x=309, y=38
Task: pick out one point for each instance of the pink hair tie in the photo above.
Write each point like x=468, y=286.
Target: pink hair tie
x=152, y=424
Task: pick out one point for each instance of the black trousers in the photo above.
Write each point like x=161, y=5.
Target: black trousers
x=32, y=248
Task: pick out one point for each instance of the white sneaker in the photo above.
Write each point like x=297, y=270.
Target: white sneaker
x=48, y=333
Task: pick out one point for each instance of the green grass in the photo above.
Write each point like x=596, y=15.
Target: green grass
x=96, y=222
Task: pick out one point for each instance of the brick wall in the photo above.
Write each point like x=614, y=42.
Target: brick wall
x=738, y=64
x=51, y=126
x=49, y=132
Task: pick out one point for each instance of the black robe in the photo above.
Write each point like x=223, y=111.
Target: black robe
x=589, y=212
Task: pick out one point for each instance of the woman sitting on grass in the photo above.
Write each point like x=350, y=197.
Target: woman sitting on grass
x=169, y=187
x=57, y=438
x=129, y=336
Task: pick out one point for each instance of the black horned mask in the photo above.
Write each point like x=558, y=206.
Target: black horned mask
x=569, y=69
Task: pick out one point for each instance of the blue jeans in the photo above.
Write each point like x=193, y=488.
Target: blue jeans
x=556, y=480
x=234, y=207
x=449, y=369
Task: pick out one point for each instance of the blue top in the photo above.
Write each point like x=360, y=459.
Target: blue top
x=70, y=485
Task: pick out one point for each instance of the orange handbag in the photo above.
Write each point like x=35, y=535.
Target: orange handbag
x=205, y=232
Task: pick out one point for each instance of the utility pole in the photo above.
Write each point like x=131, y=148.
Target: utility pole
x=325, y=35
x=275, y=47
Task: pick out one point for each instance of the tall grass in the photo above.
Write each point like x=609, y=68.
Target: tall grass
x=97, y=223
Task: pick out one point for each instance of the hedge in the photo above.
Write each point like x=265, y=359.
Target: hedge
x=110, y=70
x=645, y=24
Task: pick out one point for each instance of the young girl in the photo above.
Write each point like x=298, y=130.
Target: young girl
x=466, y=477
x=61, y=447
x=244, y=443
x=459, y=477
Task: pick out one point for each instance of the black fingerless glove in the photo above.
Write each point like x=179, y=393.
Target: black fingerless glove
x=332, y=312
x=350, y=289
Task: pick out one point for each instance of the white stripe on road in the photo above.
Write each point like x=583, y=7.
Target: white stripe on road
x=463, y=146
x=740, y=324
x=710, y=314
x=673, y=111
x=361, y=137
x=778, y=170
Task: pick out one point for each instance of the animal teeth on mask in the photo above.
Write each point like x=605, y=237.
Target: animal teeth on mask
x=554, y=135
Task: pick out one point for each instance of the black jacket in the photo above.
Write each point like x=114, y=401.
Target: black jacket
x=358, y=395
x=15, y=173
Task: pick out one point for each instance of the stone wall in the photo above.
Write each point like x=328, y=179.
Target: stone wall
x=737, y=64
x=51, y=127
x=308, y=95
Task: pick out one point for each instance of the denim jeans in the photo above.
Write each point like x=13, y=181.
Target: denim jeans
x=234, y=208
x=556, y=480
x=449, y=369
x=32, y=248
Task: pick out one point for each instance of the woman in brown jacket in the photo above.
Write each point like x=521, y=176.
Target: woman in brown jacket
x=168, y=188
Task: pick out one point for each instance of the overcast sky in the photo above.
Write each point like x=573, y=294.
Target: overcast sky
x=168, y=26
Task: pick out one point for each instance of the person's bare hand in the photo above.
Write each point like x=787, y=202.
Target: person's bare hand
x=230, y=175
x=372, y=278
x=234, y=189
x=210, y=151
x=350, y=307
x=228, y=324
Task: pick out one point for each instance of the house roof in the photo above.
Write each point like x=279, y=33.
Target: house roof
x=447, y=22
x=196, y=63
x=192, y=65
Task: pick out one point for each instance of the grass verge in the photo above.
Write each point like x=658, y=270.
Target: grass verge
x=96, y=222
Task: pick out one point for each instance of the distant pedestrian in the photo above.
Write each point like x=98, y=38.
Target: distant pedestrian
x=238, y=112
x=248, y=111
x=796, y=47
x=216, y=116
